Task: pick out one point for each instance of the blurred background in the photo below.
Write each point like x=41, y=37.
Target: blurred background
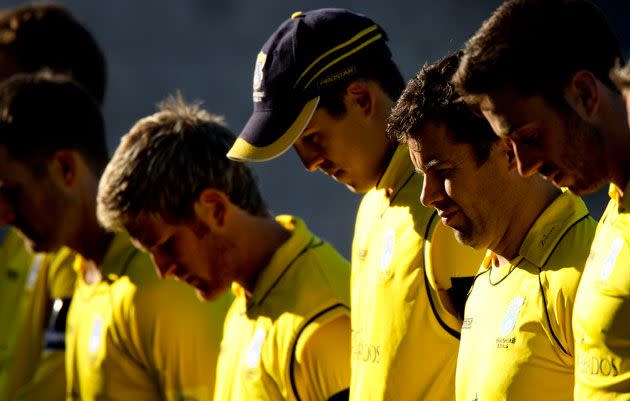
x=207, y=49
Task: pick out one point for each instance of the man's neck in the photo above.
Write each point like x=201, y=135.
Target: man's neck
x=533, y=202
x=617, y=132
x=260, y=238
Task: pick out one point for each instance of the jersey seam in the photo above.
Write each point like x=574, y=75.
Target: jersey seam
x=542, y=288
x=313, y=243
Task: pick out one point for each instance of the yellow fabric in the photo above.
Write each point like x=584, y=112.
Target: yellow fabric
x=292, y=335
x=517, y=341
x=601, y=320
x=401, y=349
x=133, y=336
x=28, y=284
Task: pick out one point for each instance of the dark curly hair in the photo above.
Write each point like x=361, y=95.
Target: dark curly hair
x=430, y=96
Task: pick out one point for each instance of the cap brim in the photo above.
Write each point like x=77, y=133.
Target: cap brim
x=259, y=122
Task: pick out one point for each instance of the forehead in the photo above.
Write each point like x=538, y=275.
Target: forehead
x=433, y=145
x=507, y=110
x=147, y=229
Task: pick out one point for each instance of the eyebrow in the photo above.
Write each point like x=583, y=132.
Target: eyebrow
x=431, y=164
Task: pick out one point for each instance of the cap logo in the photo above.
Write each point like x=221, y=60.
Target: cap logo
x=258, y=76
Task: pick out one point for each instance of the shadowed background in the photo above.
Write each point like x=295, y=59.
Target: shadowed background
x=207, y=49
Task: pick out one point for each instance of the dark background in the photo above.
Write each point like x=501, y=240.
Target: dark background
x=207, y=49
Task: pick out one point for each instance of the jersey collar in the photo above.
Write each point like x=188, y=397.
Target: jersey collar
x=282, y=259
x=551, y=225
x=615, y=194
x=115, y=261
x=397, y=173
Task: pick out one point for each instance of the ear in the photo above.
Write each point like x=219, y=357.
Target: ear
x=212, y=207
x=63, y=167
x=359, y=95
x=583, y=94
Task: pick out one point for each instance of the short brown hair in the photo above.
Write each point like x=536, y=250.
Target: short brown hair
x=430, y=96
x=34, y=37
x=164, y=163
x=535, y=47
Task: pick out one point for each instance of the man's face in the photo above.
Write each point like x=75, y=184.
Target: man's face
x=467, y=196
x=188, y=251
x=34, y=204
x=560, y=146
x=344, y=148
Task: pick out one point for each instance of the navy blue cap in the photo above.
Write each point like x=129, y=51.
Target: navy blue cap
x=308, y=53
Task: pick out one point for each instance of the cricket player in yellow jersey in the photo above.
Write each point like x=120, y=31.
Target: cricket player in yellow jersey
x=549, y=92
x=124, y=341
x=324, y=82
x=201, y=216
x=33, y=37
x=517, y=340
x=33, y=335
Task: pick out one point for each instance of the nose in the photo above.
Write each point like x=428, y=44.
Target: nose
x=528, y=158
x=311, y=157
x=432, y=191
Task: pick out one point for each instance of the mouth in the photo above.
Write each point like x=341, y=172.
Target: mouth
x=447, y=216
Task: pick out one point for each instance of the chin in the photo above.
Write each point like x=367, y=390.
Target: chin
x=585, y=188
x=207, y=295
x=359, y=188
x=468, y=239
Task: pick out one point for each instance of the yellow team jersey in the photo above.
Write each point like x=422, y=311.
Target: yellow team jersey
x=601, y=320
x=133, y=336
x=30, y=361
x=291, y=339
x=409, y=275
x=517, y=340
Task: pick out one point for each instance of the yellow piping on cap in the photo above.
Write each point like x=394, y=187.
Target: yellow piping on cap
x=346, y=43
x=296, y=14
x=351, y=52
x=242, y=151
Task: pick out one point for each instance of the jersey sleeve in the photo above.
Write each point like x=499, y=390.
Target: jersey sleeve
x=174, y=336
x=322, y=362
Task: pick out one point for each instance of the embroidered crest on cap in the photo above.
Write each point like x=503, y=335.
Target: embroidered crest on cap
x=509, y=320
x=258, y=76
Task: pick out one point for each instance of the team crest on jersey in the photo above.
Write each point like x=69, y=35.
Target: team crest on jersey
x=32, y=274
x=511, y=315
x=252, y=357
x=609, y=263
x=258, y=76
x=96, y=335
x=388, y=249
